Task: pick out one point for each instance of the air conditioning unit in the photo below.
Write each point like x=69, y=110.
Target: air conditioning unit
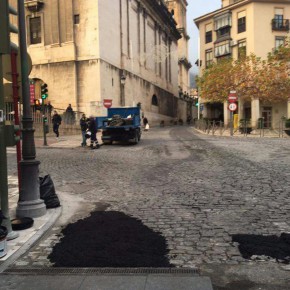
x=234, y=43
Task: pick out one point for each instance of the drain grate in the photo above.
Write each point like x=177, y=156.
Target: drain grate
x=88, y=271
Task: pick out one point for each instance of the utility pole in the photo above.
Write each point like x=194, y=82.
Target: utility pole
x=29, y=204
x=5, y=47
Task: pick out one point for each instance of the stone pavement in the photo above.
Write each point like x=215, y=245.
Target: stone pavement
x=196, y=190
x=28, y=238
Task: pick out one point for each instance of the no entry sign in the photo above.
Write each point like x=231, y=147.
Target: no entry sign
x=233, y=97
x=233, y=107
x=107, y=103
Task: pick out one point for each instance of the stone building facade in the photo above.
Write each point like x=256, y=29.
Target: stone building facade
x=178, y=9
x=244, y=27
x=87, y=51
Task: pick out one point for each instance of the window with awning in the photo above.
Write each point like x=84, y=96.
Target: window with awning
x=223, y=21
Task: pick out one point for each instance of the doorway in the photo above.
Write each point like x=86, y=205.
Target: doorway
x=267, y=116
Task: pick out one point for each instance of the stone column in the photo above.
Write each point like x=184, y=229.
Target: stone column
x=255, y=112
x=241, y=109
x=288, y=109
x=226, y=113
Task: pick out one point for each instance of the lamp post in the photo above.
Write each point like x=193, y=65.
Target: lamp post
x=123, y=80
x=29, y=204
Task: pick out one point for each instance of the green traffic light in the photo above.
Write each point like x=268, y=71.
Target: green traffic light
x=44, y=91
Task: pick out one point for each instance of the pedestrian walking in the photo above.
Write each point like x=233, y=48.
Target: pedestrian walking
x=56, y=121
x=93, y=129
x=69, y=115
x=84, y=127
x=146, y=124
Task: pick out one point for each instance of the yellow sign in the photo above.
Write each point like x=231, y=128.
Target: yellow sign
x=236, y=121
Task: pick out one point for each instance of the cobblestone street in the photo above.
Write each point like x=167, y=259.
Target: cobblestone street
x=196, y=190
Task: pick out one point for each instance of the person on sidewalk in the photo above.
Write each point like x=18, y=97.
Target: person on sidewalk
x=93, y=129
x=69, y=115
x=56, y=121
x=84, y=127
x=146, y=124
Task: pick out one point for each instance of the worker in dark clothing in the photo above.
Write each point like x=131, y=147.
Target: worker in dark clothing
x=56, y=121
x=93, y=129
x=84, y=127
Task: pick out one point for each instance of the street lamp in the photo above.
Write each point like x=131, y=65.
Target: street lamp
x=123, y=80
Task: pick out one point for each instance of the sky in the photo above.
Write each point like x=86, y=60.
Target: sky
x=195, y=9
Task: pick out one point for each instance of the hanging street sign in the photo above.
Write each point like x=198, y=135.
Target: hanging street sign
x=233, y=107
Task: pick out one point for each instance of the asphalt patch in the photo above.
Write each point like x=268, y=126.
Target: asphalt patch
x=109, y=239
x=270, y=246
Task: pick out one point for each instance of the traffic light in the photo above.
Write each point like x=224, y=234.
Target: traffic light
x=6, y=27
x=195, y=102
x=44, y=91
x=12, y=135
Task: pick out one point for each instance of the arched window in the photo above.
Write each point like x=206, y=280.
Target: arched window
x=154, y=100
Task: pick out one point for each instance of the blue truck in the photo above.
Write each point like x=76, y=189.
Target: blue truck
x=120, y=124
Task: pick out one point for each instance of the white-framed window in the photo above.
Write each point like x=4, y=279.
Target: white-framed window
x=279, y=41
x=208, y=58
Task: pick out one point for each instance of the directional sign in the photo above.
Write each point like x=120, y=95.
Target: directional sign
x=233, y=107
x=233, y=97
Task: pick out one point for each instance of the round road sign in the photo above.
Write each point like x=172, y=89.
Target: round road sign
x=232, y=107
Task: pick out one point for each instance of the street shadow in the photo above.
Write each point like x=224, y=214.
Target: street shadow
x=109, y=239
x=270, y=246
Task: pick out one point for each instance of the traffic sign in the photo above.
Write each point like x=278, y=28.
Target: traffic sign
x=107, y=103
x=233, y=97
x=233, y=107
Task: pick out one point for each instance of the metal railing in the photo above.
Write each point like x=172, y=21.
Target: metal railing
x=245, y=128
x=280, y=24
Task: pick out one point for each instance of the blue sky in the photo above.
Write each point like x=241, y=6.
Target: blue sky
x=195, y=9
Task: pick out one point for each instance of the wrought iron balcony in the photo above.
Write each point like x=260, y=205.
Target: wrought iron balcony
x=280, y=24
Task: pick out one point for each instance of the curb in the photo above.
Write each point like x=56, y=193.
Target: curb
x=53, y=216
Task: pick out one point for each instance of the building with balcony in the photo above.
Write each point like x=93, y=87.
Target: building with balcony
x=88, y=51
x=242, y=27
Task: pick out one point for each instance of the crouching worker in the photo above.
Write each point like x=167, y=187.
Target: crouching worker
x=93, y=129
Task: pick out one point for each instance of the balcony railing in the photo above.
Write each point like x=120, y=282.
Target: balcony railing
x=280, y=24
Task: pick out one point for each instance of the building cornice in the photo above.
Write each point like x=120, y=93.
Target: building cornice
x=161, y=10
x=234, y=6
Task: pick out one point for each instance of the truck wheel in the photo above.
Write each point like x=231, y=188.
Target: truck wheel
x=136, y=139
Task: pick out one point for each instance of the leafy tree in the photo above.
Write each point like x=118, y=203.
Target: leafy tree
x=250, y=76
